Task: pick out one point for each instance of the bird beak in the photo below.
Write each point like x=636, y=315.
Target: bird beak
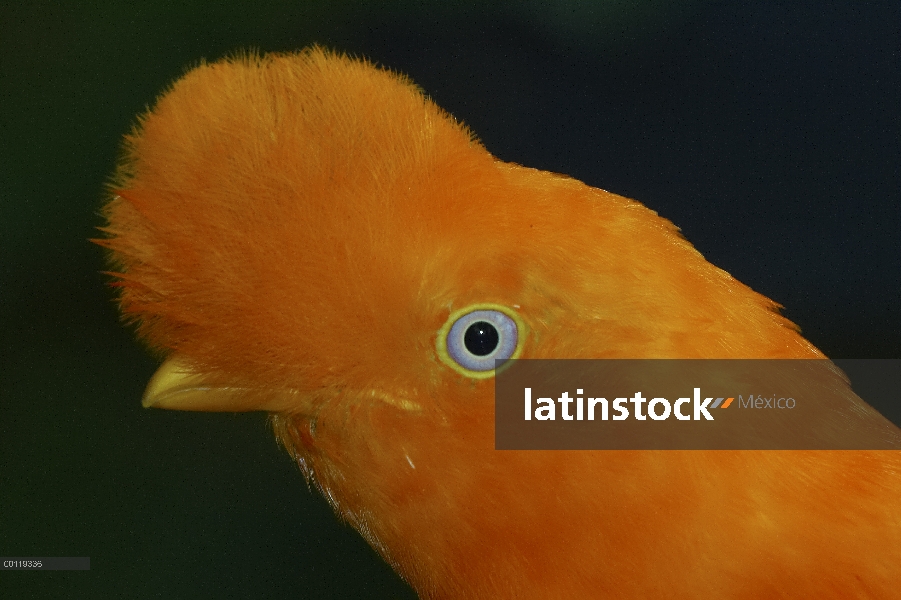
x=175, y=387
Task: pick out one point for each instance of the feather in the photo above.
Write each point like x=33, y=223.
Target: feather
x=299, y=232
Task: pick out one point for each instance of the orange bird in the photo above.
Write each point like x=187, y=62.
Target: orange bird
x=309, y=235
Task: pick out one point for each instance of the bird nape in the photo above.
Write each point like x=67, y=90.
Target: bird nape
x=309, y=235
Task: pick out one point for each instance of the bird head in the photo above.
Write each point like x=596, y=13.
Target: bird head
x=311, y=223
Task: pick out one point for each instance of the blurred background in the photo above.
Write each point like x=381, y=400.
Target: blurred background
x=768, y=131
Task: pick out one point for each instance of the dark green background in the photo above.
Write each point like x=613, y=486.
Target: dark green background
x=768, y=131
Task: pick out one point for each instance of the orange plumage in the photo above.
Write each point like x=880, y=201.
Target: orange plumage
x=296, y=230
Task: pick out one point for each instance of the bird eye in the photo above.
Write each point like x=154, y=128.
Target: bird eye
x=475, y=337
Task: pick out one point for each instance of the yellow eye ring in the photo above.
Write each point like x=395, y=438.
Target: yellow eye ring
x=459, y=346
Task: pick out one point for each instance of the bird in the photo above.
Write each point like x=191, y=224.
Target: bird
x=310, y=235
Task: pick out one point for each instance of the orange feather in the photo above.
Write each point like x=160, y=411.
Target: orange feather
x=295, y=230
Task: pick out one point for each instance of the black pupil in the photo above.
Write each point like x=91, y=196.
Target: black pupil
x=481, y=338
